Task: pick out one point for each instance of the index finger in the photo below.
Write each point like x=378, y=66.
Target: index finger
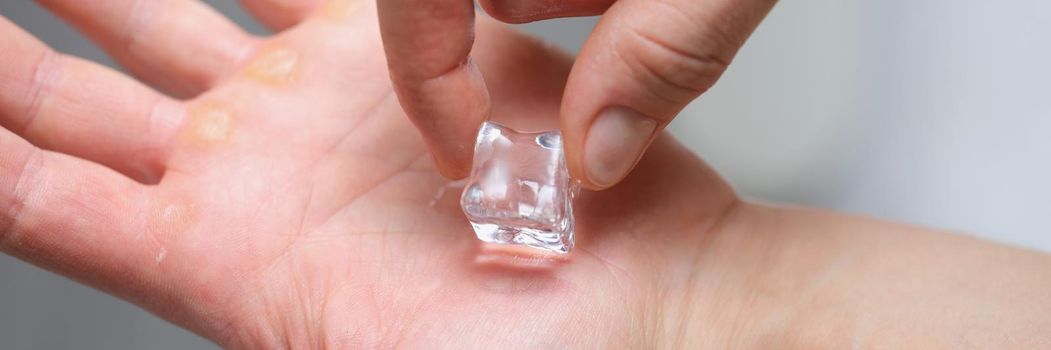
x=428, y=45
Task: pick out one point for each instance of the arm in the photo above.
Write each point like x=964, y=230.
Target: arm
x=802, y=278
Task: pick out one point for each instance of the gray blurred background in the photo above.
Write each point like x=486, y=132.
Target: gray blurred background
x=934, y=112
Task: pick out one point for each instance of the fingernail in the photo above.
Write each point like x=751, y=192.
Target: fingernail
x=614, y=144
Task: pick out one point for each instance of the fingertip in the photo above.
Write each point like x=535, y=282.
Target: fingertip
x=451, y=170
x=507, y=12
x=447, y=111
x=615, y=141
x=451, y=147
x=525, y=11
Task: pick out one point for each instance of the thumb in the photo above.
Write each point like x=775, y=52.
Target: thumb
x=645, y=60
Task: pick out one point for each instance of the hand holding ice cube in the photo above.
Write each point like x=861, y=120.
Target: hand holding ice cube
x=644, y=61
x=286, y=206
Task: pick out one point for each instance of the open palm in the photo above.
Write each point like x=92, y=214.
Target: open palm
x=290, y=202
x=281, y=199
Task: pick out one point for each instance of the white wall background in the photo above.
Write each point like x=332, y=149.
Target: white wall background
x=933, y=112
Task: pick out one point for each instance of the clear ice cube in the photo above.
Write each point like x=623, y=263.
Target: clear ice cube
x=519, y=191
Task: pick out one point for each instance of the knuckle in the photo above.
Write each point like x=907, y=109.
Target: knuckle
x=677, y=72
x=137, y=25
x=504, y=11
x=46, y=71
x=524, y=11
x=23, y=186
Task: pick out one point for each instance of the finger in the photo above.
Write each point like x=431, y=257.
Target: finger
x=428, y=43
x=522, y=11
x=181, y=47
x=642, y=64
x=71, y=216
x=281, y=14
x=77, y=107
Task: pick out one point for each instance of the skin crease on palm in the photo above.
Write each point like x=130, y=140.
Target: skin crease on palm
x=286, y=205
